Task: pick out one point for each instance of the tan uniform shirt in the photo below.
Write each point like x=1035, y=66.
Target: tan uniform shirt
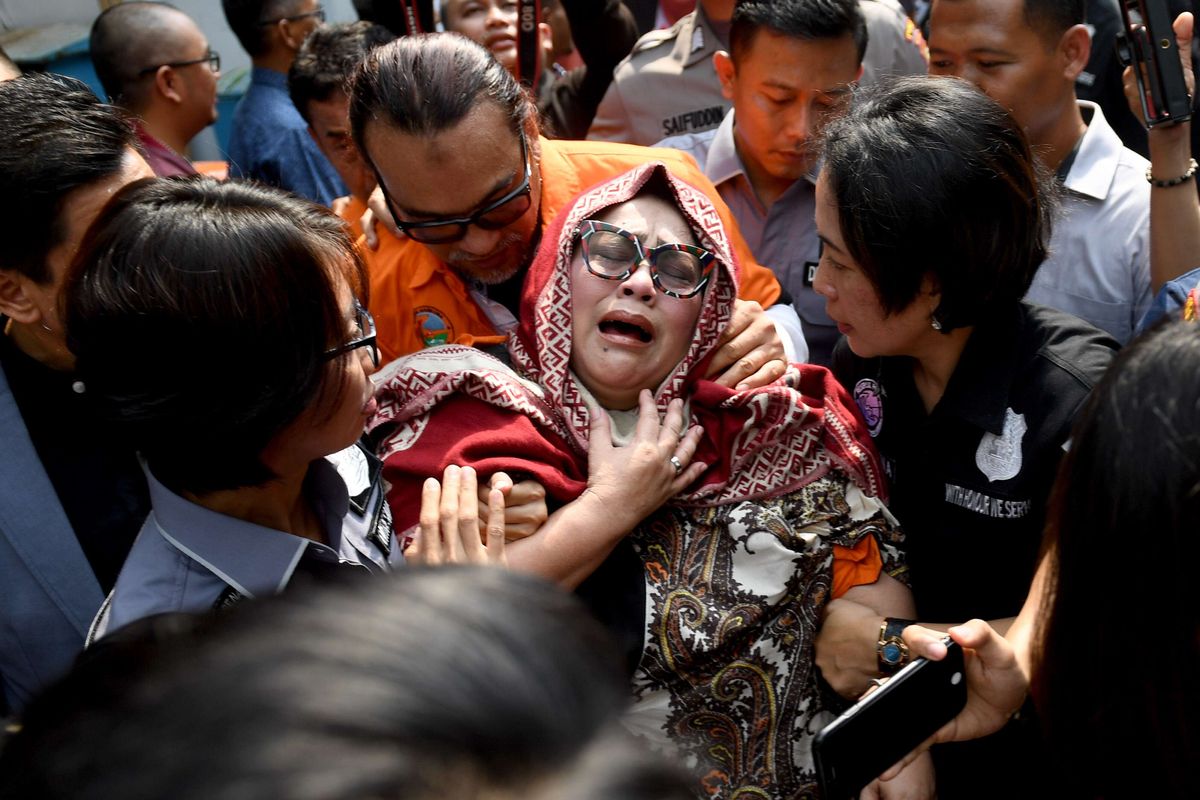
x=667, y=86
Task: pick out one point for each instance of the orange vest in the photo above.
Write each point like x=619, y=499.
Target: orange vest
x=416, y=300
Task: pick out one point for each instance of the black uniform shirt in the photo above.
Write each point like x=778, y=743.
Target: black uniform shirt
x=970, y=481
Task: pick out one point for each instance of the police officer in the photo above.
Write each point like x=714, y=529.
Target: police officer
x=667, y=85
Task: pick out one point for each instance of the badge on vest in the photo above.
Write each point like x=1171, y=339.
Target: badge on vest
x=999, y=457
x=868, y=394
x=433, y=326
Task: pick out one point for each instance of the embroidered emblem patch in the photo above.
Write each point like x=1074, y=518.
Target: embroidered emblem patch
x=869, y=396
x=999, y=457
x=433, y=326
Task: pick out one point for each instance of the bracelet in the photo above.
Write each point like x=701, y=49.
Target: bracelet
x=1167, y=184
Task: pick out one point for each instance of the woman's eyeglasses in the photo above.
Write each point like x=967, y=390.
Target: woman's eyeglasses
x=491, y=217
x=612, y=253
x=365, y=324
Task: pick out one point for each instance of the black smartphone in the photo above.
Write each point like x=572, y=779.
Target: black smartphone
x=1147, y=43
x=889, y=723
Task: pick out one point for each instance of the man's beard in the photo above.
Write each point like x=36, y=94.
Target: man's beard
x=459, y=262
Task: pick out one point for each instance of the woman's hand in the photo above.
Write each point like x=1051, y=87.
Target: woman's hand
x=633, y=481
x=449, y=522
x=524, y=506
x=917, y=781
x=996, y=684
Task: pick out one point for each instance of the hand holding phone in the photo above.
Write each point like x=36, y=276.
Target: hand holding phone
x=1147, y=45
x=889, y=723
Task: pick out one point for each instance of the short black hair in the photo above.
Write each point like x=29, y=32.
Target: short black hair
x=798, y=19
x=125, y=39
x=200, y=314
x=458, y=682
x=244, y=16
x=1051, y=18
x=55, y=137
x=424, y=84
x=328, y=58
x=934, y=178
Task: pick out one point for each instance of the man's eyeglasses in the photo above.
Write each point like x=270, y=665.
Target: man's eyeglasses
x=493, y=216
x=612, y=253
x=319, y=14
x=365, y=324
x=213, y=58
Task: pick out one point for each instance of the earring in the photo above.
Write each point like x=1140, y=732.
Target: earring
x=935, y=323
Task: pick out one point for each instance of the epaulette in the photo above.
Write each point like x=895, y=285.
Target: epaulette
x=655, y=38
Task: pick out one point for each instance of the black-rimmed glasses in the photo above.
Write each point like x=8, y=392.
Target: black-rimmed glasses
x=493, y=216
x=319, y=14
x=678, y=270
x=366, y=336
x=212, y=57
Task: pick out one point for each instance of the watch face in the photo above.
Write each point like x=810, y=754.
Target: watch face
x=891, y=653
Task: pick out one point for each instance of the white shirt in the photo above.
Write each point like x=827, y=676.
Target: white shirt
x=1099, y=262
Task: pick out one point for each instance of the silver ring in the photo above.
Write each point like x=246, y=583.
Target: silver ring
x=676, y=463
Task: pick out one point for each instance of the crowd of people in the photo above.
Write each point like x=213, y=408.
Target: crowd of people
x=600, y=430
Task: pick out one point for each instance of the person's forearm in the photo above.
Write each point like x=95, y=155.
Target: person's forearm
x=1174, y=210
x=572, y=544
x=1021, y=633
x=846, y=644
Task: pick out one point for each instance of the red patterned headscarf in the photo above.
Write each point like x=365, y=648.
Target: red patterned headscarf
x=455, y=405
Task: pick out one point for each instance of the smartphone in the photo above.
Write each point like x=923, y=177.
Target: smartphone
x=889, y=723
x=1147, y=44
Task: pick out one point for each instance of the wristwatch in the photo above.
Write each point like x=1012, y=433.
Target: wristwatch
x=891, y=650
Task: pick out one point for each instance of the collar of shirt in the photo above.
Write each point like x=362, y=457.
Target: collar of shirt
x=696, y=41
x=724, y=163
x=272, y=79
x=255, y=560
x=1099, y=154
x=978, y=391
x=163, y=160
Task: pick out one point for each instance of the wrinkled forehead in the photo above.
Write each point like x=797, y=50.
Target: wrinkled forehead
x=651, y=218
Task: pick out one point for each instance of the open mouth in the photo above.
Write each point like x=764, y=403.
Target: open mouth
x=628, y=328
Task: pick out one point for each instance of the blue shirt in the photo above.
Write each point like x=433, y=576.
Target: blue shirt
x=1170, y=299
x=270, y=142
x=186, y=557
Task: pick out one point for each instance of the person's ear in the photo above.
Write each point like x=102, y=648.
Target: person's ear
x=723, y=65
x=1074, y=50
x=166, y=82
x=15, y=302
x=290, y=34
x=931, y=288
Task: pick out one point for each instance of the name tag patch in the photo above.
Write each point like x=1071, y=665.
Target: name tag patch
x=980, y=503
x=810, y=272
